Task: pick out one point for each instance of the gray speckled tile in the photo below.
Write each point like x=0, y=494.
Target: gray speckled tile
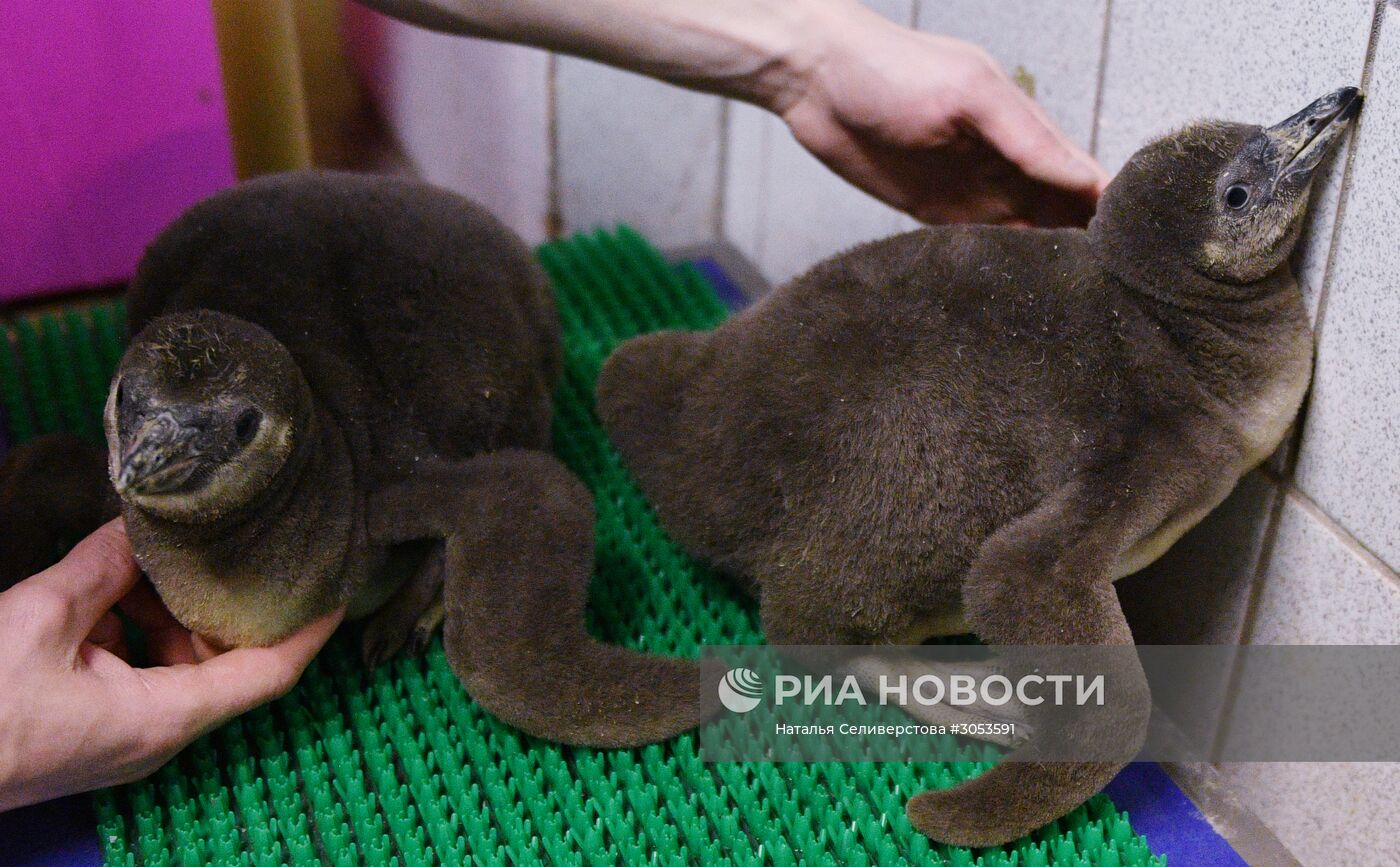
x=1248, y=60
x=1053, y=43
x=1349, y=462
x=783, y=208
x=472, y=116
x=748, y=136
x=634, y=150
x=1326, y=813
x=1198, y=592
x=1318, y=588
x=809, y=213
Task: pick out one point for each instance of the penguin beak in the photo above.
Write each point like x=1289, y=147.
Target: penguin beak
x=1295, y=147
x=160, y=457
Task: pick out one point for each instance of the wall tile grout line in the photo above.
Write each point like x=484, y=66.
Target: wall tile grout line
x=1355, y=545
x=1251, y=609
x=1285, y=484
x=1282, y=492
x=554, y=208
x=1324, y=290
x=765, y=151
x=1099, y=83
x=721, y=171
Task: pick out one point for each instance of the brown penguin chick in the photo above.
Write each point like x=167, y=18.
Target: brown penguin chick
x=49, y=497
x=980, y=428
x=339, y=394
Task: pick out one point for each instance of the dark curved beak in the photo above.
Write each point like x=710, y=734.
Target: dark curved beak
x=1295, y=147
x=160, y=457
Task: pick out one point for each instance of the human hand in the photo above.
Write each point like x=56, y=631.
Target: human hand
x=75, y=715
x=929, y=124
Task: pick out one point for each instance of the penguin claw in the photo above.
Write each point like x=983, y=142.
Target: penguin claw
x=425, y=629
x=376, y=648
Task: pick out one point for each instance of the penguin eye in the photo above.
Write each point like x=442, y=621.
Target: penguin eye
x=247, y=426
x=1237, y=196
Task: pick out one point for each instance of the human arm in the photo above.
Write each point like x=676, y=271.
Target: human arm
x=927, y=123
x=76, y=715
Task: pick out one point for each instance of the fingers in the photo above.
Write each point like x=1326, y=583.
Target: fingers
x=1012, y=123
x=89, y=581
x=238, y=681
x=206, y=648
x=167, y=642
x=109, y=635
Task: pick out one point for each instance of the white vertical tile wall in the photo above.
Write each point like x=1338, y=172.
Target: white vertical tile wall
x=749, y=134
x=473, y=116
x=1350, y=457
x=1051, y=45
x=1247, y=60
x=1328, y=814
x=635, y=150
x=783, y=208
x=1320, y=588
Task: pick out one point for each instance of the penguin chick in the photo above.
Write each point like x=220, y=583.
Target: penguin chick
x=48, y=500
x=338, y=393
x=980, y=428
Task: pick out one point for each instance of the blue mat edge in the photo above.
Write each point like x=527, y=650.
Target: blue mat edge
x=1172, y=825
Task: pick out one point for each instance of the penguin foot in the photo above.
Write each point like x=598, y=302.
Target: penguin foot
x=410, y=617
x=426, y=627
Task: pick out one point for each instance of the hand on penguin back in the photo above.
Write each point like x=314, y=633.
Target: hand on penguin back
x=979, y=428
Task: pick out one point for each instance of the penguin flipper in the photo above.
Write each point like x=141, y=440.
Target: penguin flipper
x=1045, y=579
x=54, y=491
x=518, y=556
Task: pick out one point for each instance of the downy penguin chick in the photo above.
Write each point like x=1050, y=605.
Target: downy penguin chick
x=977, y=428
x=339, y=393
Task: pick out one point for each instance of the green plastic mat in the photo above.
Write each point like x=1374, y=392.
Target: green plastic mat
x=399, y=766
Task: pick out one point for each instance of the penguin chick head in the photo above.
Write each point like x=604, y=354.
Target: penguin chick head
x=1224, y=200
x=203, y=414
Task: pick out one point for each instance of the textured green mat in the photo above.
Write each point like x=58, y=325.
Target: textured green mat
x=399, y=766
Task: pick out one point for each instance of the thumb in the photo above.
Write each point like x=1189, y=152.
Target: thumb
x=98, y=571
x=235, y=682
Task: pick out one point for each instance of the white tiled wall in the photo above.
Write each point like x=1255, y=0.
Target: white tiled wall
x=1320, y=587
x=633, y=150
x=1052, y=45
x=783, y=208
x=1350, y=458
x=1328, y=814
x=472, y=116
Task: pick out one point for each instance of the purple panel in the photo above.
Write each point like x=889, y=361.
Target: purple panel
x=113, y=122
